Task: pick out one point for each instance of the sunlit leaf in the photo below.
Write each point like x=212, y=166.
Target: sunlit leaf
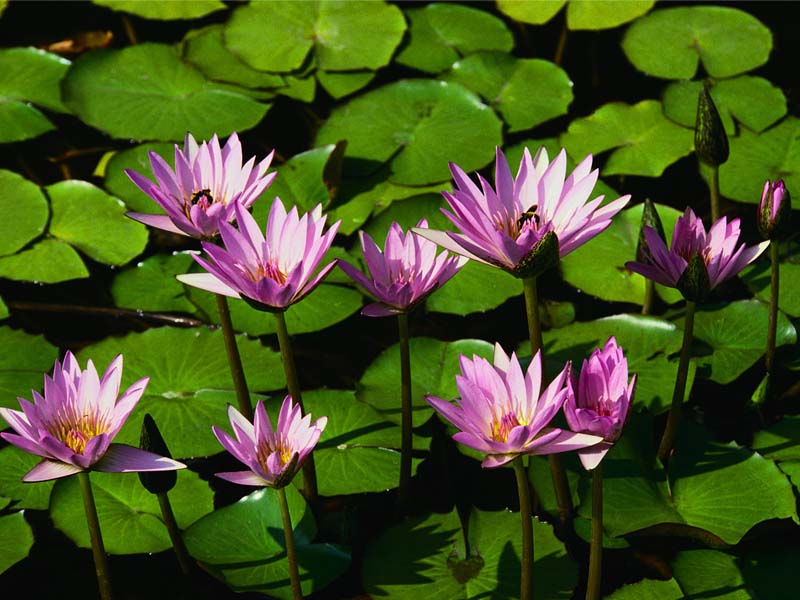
x=24, y=210
x=151, y=284
x=164, y=11
x=14, y=463
x=604, y=14
x=48, y=261
x=136, y=159
x=16, y=539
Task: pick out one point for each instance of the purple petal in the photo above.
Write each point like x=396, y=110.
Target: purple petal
x=208, y=282
x=157, y=221
x=120, y=458
x=243, y=478
x=50, y=469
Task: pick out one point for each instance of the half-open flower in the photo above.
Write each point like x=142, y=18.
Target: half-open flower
x=502, y=413
x=602, y=400
x=508, y=227
x=203, y=189
x=270, y=272
x=716, y=251
x=774, y=209
x=72, y=425
x=405, y=273
x=273, y=456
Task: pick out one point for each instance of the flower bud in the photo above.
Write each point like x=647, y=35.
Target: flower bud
x=774, y=210
x=155, y=482
x=543, y=256
x=710, y=139
x=651, y=219
x=694, y=284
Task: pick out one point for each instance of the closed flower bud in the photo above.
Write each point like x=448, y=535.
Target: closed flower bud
x=157, y=482
x=710, y=139
x=650, y=219
x=774, y=210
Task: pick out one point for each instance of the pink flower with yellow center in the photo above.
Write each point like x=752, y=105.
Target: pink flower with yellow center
x=72, y=425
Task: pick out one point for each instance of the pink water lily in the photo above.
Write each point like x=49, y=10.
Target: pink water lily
x=774, y=209
x=405, y=273
x=718, y=249
x=207, y=183
x=271, y=271
x=502, y=413
x=503, y=226
x=599, y=403
x=273, y=456
x=73, y=424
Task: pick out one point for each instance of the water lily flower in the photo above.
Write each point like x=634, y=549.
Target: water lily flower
x=502, y=413
x=405, y=274
x=600, y=405
x=206, y=185
x=273, y=455
x=269, y=272
x=774, y=209
x=716, y=252
x=73, y=424
x=508, y=227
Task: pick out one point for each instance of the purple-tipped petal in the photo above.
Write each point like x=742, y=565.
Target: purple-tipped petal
x=243, y=478
x=206, y=281
x=157, y=221
x=120, y=458
x=50, y=469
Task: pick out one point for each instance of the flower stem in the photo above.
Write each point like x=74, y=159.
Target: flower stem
x=405, y=395
x=293, y=387
x=175, y=536
x=532, y=311
x=234, y=360
x=98, y=550
x=714, y=189
x=671, y=430
x=526, y=567
x=291, y=555
x=773, y=308
x=562, y=44
x=649, y=296
x=596, y=548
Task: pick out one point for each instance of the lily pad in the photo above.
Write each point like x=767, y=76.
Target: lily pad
x=22, y=369
x=417, y=126
x=14, y=463
x=781, y=443
x=151, y=284
x=649, y=589
x=146, y=92
x=3, y=310
x=475, y=288
x=434, y=365
x=757, y=279
x=425, y=557
x=535, y=13
x=646, y=141
x=670, y=42
x=94, y=223
x=119, y=184
x=24, y=210
x=752, y=101
x=47, y=261
x=16, y=539
x=130, y=517
x=597, y=14
x=440, y=34
x=339, y=85
x=342, y=38
x=526, y=92
x=164, y=11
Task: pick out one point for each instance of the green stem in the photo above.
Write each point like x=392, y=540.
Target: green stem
x=405, y=395
x=234, y=360
x=649, y=296
x=532, y=312
x=671, y=430
x=561, y=488
x=596, y=548
x=562, y=44
x=291, y=555
x=98, y=550
x=293, y=387
x=773, y=308
x=175, y=536
x=526, y=567
x=714, y=188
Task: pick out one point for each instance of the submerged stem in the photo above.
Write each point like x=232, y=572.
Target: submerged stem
x=234, y=360
x=96, y=536
x=596, y=548
x=291, y=555
x=773, y=308
x=526, y=567
x=175, y=536
x=405, y=395
x=671, y=430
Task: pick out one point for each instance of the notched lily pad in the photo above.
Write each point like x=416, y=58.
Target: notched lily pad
x=24, y=209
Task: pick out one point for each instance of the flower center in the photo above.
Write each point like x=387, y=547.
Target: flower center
x=502, y=427
x=76, y=433
x=284, y=452
x=269, y=270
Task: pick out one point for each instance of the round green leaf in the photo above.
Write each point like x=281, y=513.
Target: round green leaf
x=434, y=365
x=709, y=573
x=94, y=222
x=14, y=463
x=48, y=261
x=753, y=101
x=757, y=279
x=435, y=546
x=609, y=279
x=130, y=517
x=20, y=121
x=440, y=34
x=649, y=589
x=535, y=13
x=754, y=158
x=417, y=126
x=526, y=92
x=164, y=11
x=604, y=14
x=24, y=210
x=670, y=42
x=136, y=158
x=147, y=92
x=344, y=36
x=32, y=75
x=21, y=370
x=151, y=284
x=646, y=141
x=476, y=288
x=16, y=539
x=339, y=85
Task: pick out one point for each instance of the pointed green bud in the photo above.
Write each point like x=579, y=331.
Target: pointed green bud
x=710, y=139
x=694, y=283
x=543, y=256
x=762, y=392
x=155, y=482
x=774, y=210
x=651, y=219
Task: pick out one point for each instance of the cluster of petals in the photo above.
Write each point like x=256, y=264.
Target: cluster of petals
x=273, y=456
x=206, y=185
x=501, y=412
x=71, y=426
x=405, y=273
x=502, y=226
x=601, y=402
x=271, y=271
x=718, y=248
